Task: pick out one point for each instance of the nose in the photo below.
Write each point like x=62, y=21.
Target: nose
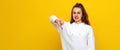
x=76, y=15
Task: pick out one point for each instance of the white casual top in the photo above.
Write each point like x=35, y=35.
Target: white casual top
x=75, y=36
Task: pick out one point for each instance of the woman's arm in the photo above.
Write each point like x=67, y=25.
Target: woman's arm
x=91, y=44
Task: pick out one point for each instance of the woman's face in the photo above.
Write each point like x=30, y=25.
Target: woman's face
x=77, y=14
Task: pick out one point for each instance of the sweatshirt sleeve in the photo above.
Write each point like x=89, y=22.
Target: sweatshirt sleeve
x=91, y=44
x=52, y=20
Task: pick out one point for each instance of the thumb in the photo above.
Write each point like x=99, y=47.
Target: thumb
x=61, y=24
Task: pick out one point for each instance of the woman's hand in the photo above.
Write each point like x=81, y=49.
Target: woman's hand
x=60, y=22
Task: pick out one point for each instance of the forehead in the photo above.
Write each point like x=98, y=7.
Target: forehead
x=76, y=9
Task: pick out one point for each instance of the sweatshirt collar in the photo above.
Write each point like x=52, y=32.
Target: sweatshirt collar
x=78, y=24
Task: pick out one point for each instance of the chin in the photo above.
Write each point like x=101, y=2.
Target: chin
x=77, y=20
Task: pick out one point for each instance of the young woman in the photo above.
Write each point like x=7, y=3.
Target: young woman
x=76, y=34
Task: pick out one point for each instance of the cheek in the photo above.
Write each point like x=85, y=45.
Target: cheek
x=73, y=16
x=80, y=15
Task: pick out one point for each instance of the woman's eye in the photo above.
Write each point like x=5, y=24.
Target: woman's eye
x=74, y=12
x=78, y=12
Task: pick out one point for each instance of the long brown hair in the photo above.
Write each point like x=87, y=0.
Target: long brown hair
x=84, y=17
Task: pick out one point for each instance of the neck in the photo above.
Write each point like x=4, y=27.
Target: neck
x=78, y=22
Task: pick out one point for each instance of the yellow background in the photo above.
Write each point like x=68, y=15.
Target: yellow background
x=24, y=24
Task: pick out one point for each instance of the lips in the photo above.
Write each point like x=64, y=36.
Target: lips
x=76, y=17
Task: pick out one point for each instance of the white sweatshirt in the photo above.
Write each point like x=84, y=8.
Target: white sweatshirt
x=75, y=36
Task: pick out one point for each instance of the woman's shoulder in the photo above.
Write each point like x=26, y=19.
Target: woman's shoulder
x=87, y=26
